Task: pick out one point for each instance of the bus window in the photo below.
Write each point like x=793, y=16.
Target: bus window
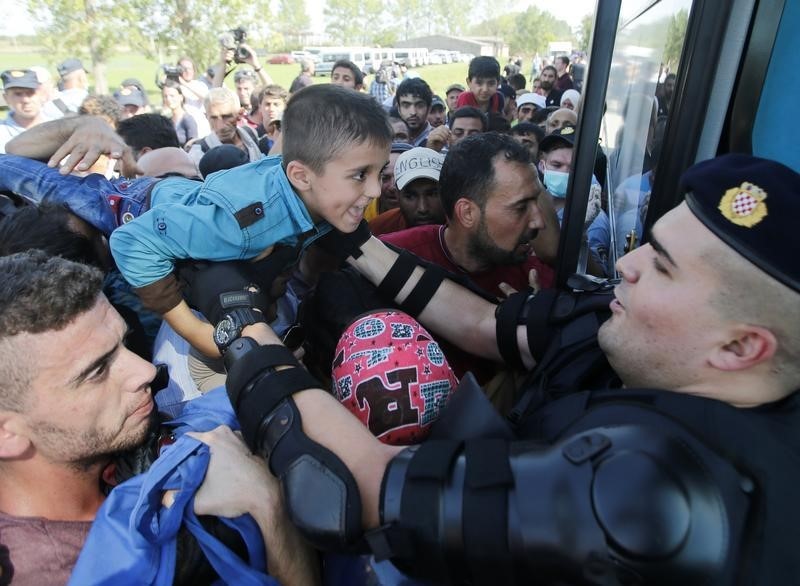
x=640, y=89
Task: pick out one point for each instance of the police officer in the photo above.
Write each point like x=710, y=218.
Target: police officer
x=685, y=476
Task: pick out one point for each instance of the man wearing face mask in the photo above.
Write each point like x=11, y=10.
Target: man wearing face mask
x=556, y=151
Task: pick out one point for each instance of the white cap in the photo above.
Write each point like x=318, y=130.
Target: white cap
x=531, y=98
x=416, y=163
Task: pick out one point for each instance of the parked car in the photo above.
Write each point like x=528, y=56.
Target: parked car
x=281, y=59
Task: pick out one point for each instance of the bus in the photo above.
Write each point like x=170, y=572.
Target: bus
x=731, y=65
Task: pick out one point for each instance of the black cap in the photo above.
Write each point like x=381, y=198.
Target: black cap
x=225, y=156
x=437, y=102
x=130, y=96
x=752, y=205
x=24, y=78
x=563, y=137
x=68, y=66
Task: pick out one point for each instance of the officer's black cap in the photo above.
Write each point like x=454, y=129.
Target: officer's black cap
x=752, y=205
x=22, y=78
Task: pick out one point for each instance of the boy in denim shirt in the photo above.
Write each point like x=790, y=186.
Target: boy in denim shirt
x=335, y=146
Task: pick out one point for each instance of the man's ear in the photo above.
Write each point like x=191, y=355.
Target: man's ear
x=747, y=347
x=299, y=175
x=14, y=441
x=466, y=212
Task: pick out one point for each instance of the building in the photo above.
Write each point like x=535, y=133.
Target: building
x=492, y=47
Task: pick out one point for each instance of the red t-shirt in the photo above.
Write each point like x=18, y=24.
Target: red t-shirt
x=387, y=222
x=427, y=242
x=468, y=99
x=40, y=551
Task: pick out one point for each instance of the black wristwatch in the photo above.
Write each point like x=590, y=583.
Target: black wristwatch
x=230, y=327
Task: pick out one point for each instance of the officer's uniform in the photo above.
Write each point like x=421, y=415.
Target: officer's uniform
x=677, y=489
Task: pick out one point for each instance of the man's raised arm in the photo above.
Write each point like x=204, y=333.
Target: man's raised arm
x=77, y=140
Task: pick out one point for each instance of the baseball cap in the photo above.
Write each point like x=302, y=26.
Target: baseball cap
x=562, y=137
x=531, y=98
x=419, y=162
x=130, y=96
x=392, y=375
x=22, y=78
x=224, y=156
x=752, y=205
x=454, y=86
x=68, y=66
x=437, y=102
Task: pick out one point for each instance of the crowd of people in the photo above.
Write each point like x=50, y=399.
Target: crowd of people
x=282, y=336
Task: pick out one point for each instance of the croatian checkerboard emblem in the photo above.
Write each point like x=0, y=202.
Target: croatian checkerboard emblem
x=744, y=205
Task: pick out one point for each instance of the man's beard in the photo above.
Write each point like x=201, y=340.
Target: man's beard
x=482, y=247
x=546, y=85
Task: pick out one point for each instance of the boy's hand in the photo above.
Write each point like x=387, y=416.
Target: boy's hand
x=344, y=245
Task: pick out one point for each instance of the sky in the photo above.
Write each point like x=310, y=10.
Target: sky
x=15, y=20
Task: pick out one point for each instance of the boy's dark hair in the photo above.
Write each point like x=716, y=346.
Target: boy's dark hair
x=528, y=128
x=148, y=130
x=415, y=87
x=468, y=169
x=517, y=81
x=498, y=123
x=469, y=112
x=321, y=121
x=53, y=229
x=273, y=91
x=564, y=59
x=484, y=66
x=358, y=75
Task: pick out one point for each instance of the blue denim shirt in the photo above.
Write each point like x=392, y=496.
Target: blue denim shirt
x=105, y=204
x=203, y=221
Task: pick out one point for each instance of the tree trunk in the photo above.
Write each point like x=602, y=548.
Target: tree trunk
x=98, y=60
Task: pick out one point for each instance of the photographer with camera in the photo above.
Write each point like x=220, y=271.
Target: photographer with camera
x=233, y=51
x=194, y=90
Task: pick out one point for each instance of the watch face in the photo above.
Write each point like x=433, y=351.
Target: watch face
x=225, y=332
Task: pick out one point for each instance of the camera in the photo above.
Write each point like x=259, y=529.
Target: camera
x=165, y=72
x=241, y=54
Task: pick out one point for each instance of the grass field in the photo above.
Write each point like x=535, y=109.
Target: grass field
x=131, y=65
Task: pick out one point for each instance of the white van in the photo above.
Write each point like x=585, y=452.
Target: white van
x=330, y=55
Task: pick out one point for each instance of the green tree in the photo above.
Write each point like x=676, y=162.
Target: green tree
x=191, y=27
x=585, y=32
x=353, y=22
x=291, y=21
x=81, y=28
x=525, y=32
x=676, y=33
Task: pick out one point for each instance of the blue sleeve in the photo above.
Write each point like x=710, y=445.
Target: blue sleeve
x=85, y=196
x=147, y=248
x=599, y=237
